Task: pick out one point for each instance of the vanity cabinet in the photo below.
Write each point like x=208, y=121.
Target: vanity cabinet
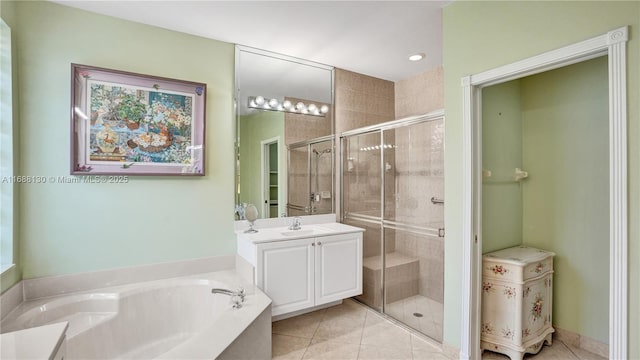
x=303, y=273
x=517, y=286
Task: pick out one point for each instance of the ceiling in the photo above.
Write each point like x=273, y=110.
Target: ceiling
x=369, y=37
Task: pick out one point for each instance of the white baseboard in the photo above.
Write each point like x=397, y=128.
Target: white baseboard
x=582, y=342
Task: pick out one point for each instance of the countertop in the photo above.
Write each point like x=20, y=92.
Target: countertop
x=40, y=342
x=284, y=233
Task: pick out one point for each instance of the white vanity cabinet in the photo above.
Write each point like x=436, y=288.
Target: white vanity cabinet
x=305, y=272
x=285, y=272
x=517, y=286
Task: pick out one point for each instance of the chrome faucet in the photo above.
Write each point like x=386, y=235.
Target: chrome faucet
x=296, y=224
x=237, y=297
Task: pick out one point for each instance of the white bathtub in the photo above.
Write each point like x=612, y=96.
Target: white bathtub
x=176, y=318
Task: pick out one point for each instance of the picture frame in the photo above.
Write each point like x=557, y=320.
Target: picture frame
x=124, y=123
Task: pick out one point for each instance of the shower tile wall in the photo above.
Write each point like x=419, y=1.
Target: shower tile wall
x=362, y=100
x=419, y=177
x=416, y=95
x=298, y=127
x=414, y=264
x=420, y=94
x=298, y=180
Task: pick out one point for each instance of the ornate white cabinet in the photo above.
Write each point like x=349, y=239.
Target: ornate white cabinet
x=517, y=286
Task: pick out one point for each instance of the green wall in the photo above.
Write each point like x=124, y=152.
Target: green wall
x=553, y=125
x=479, y=36
x=255, y=128
x=501, y=154
x=72, y=228
x=566, y=199
x=13, y=275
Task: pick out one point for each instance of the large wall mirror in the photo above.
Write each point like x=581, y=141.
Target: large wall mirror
x=284, y=145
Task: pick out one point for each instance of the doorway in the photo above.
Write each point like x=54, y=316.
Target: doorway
x=612, y=44
x=270, y=177
x=545, y=186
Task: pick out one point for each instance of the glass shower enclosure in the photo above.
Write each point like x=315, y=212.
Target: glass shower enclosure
x=310, y=177
x=393, y=186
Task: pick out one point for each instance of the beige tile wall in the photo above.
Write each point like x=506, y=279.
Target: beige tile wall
x=362, y=100
x=419, y=94
x=300, y=127
x=418, y=176
x=417, y=173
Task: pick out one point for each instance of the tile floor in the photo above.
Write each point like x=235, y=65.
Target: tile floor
x=432, y=312
x=557, y=351
x=347, y=331
x=353, y=331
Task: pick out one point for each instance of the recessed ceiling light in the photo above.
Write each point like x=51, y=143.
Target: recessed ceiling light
x=417, y=57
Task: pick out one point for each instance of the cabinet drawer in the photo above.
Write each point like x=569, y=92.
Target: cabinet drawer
x=538, y=268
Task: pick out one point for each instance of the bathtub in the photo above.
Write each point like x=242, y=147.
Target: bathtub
x=175, y=318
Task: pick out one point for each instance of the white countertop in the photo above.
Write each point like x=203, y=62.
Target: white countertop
x=40, y=342
x=306, y=231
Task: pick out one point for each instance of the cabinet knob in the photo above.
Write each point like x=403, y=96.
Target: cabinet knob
x=313, y=244
x=319, y=243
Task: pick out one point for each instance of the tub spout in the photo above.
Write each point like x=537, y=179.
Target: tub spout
x=237, y=297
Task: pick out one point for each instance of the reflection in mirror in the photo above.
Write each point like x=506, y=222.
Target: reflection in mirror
x=310, y=187
x=283, y=103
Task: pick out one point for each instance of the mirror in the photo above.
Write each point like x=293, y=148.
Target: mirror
x=283, y=103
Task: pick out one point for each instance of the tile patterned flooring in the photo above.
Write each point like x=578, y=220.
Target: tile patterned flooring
x=353, y=331
x=432, y=312
x=347, y=331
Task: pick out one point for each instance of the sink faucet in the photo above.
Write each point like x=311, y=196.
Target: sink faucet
x=296, y=224
x=237, y=297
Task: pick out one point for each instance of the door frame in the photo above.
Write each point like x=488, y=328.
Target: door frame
x=613, y=45
x=264, y=174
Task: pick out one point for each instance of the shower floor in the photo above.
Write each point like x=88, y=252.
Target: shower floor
x=408, y=311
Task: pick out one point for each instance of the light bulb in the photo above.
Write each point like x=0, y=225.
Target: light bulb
x=324, y=109
x=286, y=104
x=300, y=105
x=273, y=103
x=312, y=108
x=417, y=57
x=259, y=100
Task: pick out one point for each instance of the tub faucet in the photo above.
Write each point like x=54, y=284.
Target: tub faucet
x=296, y=224
x=237, y=297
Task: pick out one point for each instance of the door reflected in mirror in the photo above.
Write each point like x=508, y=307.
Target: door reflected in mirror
x=283, y=103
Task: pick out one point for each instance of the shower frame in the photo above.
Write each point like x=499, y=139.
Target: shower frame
x=381, y=128
x=310, y=210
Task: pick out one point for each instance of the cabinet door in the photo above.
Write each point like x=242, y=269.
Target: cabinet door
x=338, y=267
x=536, y=312
x=285, y=274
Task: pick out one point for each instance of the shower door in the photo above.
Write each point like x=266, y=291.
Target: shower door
x=310, y=177
x=393, y=187
x=362, y=207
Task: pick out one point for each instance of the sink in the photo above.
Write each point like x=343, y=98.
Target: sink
x=305, y=231
x=301, y=232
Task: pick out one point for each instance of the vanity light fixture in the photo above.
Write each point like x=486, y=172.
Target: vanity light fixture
x=417, y=57
x=259, y=102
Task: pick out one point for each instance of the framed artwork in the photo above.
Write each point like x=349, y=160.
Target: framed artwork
x=133, y=124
